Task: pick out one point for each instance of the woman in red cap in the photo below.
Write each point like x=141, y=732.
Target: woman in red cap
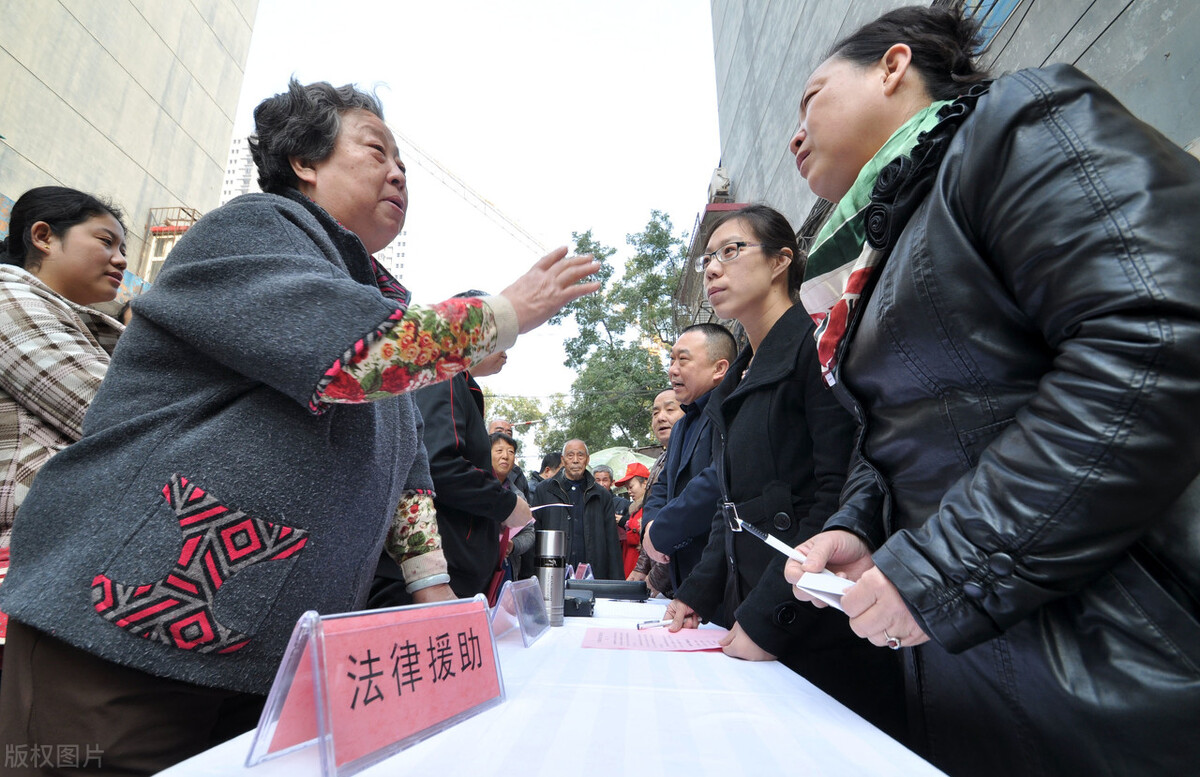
x=635, y=478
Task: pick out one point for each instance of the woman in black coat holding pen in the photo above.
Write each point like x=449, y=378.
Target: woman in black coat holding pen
x=785, y=446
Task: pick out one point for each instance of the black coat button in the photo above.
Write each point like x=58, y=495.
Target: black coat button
x=1002, y=564
x=974, y=590
x=785, y=615
x=783, y=521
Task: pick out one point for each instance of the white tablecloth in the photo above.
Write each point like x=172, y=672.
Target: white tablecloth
x=611, y=713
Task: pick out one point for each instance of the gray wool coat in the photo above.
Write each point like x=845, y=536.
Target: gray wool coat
x=210, y=503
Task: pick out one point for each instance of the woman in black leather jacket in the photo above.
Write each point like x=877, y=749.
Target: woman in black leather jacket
x=1020, y=339
x=784, y=446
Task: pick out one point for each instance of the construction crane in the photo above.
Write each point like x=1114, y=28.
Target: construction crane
x=459, y=187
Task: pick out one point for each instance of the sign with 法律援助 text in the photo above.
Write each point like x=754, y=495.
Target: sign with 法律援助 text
x=365, y=685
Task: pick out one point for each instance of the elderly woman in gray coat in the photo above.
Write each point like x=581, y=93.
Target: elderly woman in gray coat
x=250, y=452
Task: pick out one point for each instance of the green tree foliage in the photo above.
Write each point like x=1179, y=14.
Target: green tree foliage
x=547, y=421
x=590, y=313
x=523, y=413
x=647, y=288
x=610, y=399
x=551, y=434
x=625, y=331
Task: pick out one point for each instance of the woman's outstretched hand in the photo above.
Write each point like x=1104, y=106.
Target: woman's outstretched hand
x=551, y=284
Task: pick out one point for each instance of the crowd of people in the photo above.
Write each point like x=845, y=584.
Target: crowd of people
x=970, y=398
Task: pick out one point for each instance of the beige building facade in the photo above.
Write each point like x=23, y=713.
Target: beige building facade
x=130, y=99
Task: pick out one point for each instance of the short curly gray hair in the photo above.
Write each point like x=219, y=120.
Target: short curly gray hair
x=302, y=122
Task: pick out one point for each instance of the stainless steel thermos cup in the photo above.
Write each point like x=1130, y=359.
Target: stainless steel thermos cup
x=551, y=564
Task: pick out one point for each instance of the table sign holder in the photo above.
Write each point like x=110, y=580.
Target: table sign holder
x=582, y=572
x=520, y=604
x=364, y=685
x=3, y=574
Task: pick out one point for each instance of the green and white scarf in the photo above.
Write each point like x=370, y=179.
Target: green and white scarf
x=840, y=263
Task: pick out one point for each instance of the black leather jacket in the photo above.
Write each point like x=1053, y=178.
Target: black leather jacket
x=1027, y=374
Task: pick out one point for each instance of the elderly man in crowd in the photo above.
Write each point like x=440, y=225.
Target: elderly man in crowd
x=604, y=478
x=591, y=532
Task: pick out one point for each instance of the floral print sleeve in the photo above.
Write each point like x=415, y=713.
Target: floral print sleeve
x=413, y=541
x=411, y=350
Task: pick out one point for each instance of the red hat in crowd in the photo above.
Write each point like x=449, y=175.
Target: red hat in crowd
x=634, y=470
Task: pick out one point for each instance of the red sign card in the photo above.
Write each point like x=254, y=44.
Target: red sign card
x=389, y=681
x=380, y=681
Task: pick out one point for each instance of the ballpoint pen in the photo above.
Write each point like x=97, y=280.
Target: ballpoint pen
x=773, y=541
x=654, y=624
x=823, y=585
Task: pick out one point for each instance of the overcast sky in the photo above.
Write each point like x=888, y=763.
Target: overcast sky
x=566, y=115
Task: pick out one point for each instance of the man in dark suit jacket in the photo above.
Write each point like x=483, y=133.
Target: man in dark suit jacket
x=679, y=510
x=472, y=506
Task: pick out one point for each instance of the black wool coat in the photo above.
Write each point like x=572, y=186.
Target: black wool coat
x=471, y=504
x=784, y=445
x=598, y=531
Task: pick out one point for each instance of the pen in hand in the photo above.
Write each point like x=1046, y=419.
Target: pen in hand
x=773, y=541
x=828, y=586
x=654, y=624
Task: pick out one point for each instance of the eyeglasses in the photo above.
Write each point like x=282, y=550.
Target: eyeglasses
x=726, y=253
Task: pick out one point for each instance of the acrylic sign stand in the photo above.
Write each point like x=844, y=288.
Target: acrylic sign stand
x=520, y=604
x=365, y=685
x=3, y=573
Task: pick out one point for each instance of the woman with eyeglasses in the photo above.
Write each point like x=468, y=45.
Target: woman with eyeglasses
x=785, y=446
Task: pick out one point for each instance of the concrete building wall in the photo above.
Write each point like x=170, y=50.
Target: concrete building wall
x=394, y=257
x=765, y=50
x=132, y=99
x=1143, y=51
